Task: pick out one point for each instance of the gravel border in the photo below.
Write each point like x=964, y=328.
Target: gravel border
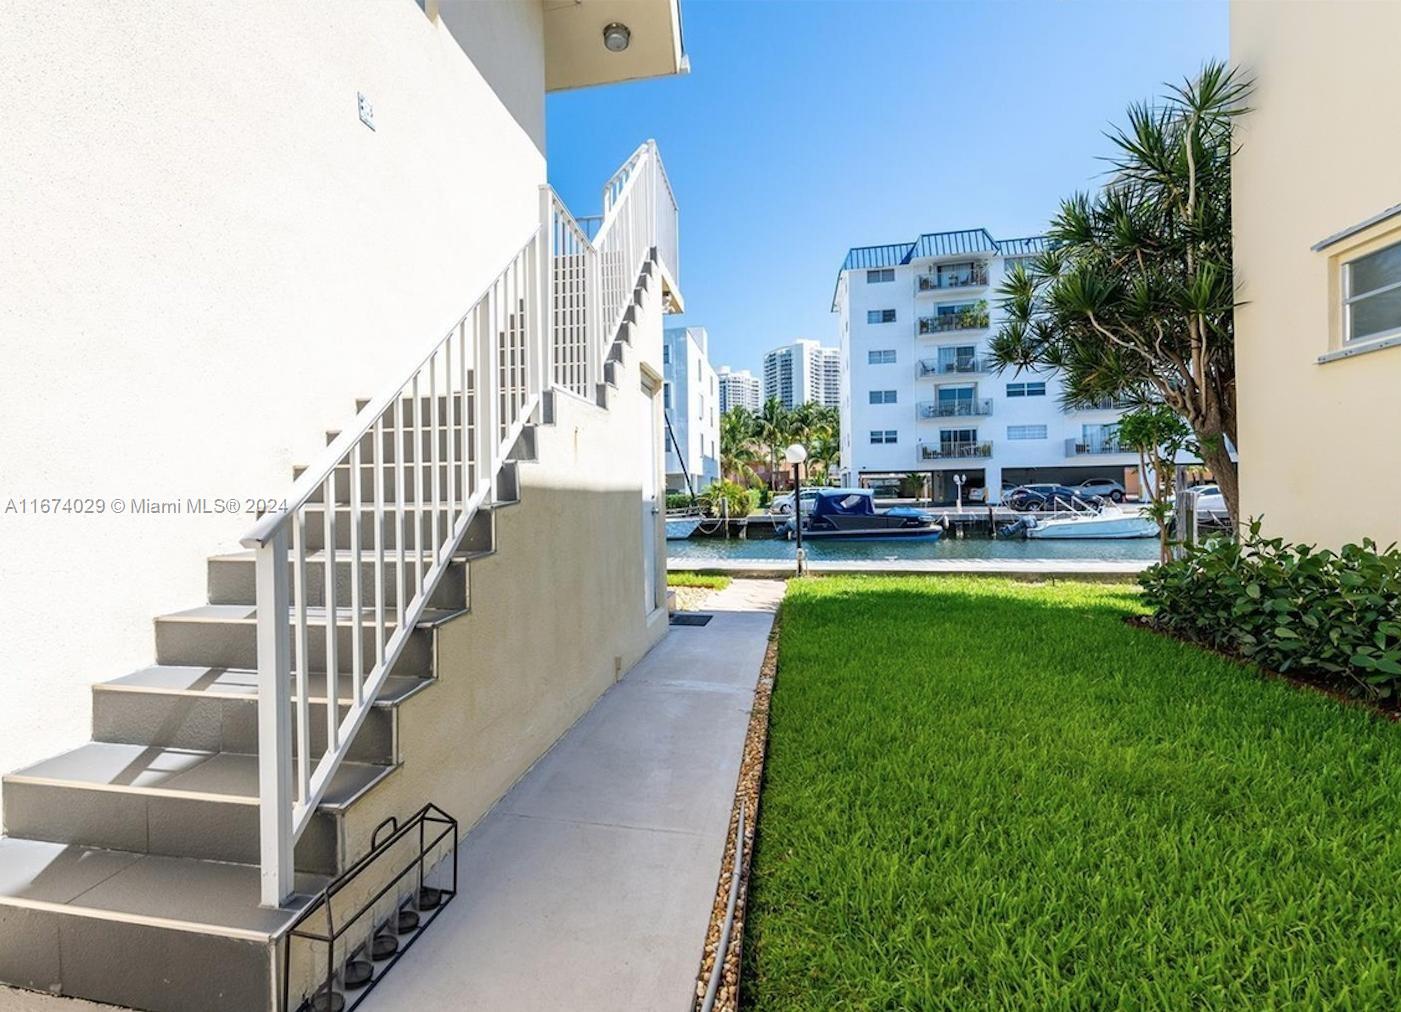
x=751, y=772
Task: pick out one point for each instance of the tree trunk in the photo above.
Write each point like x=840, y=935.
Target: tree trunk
x=1223, y=469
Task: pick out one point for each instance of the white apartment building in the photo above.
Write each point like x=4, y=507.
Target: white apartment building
x=691, y=396
x=919, y=394
x=803, y=371
x=739, y=388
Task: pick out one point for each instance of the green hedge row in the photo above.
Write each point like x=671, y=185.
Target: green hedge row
x=1289, y=607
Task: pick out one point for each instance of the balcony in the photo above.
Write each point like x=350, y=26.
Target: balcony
x=972, y=318
x=951, y=281
x=1103, y=404
x=955, y=451
x=967, y=408
x=957, y=367
x=1098, y=444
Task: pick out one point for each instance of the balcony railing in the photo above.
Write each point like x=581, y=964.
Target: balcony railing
x=936, y=282
x=959, y=366
x=1103, y=404
x=954, y=451
x=1100, y=444
x=944, y=323
x=963, y=408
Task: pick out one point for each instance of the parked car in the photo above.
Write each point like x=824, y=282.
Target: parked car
x=1038, y=497
x=1211, y=504
x=1105, y=488
x=783, y=504
x=980, y=493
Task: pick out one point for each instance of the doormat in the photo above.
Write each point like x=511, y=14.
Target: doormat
x=690, y=618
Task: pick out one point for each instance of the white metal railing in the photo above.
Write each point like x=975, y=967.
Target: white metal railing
x=952, y=450
x=963, y=407
x=1095, y=444
x=964, y=364
x=392, y=496
x=975, y=276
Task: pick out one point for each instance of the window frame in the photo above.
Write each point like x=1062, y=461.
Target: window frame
x=883, y=396
x=882, y=316
x=883, y=275
x=1350, y=299
x=875, y=356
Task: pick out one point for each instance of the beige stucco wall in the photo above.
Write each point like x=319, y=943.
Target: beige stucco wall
x=557, y=614
x=206, y=258
x=1320, y=152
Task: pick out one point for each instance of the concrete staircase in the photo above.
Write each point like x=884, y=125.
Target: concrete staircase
x=129, y=866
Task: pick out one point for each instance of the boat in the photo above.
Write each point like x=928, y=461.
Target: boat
x=680, y=526
x=1102, y=521
x=850, y=513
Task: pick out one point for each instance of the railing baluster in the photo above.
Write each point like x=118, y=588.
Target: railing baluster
x=357, y=651
x=332, y=660
x=418, y=435
x=400, y=578
x=463, y=413
x=303, y=652
x=380, y=589
x=450, y=465
x=436, y=434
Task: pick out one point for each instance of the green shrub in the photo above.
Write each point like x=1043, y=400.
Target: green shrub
x=678, y=500
x=1289, y=607
x=725, y=491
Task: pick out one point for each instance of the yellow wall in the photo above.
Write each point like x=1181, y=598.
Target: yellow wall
x=1320, y=444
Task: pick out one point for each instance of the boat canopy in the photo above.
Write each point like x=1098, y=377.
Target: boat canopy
x=844, y=502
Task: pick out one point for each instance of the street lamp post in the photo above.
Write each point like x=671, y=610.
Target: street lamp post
x=795, y=455
x=958, y=480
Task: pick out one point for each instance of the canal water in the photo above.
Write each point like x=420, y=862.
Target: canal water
x=949, y=548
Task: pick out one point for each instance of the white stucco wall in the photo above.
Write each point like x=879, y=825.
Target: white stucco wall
x=206, y=258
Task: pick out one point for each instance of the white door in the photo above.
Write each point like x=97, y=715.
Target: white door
x=650, y=507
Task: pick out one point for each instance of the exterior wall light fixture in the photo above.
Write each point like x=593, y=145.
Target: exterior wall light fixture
x=616, y=37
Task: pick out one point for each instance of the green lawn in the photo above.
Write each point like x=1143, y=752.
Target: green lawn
x=710, y=581
x=988, y=794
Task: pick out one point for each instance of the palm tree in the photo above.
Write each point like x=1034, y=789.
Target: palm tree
x=738, y=450
x=773, y=428
x=817, y=427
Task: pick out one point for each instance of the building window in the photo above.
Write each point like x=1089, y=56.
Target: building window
x=880, y=276
x=666, y=395
x=882, y=396
x=882, y=436
x=1026, y=389
x=666, y=354
x=1026, y=432
x=880, y=316
x=1372, y=295
x=881, y=356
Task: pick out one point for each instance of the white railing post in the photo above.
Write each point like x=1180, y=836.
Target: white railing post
x=274, y=722
x=545, y=293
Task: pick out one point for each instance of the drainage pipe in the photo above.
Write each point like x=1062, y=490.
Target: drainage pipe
x=722, y=947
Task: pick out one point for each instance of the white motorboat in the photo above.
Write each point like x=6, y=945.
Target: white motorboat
x=1107, y=521
x=679, y=528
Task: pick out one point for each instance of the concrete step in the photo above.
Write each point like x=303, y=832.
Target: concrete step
x=139, y=930
x=424, y=404
x=417, y=521
x=417, y=488
x=417, y=485
x=225, y=636
x=233, y=578
x=172, y=802
x=396, y=445
x=216, y=710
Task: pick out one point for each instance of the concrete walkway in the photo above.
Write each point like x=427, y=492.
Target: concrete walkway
x=589, y=886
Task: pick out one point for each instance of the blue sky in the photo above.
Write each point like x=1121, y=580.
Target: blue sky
x=809, y=126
